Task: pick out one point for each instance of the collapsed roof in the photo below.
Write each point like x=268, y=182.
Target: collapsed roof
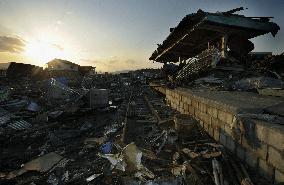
x=192, y=34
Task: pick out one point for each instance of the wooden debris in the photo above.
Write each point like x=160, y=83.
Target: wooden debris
x=217, y=172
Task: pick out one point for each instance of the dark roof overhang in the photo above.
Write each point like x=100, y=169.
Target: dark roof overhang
x=193, y=33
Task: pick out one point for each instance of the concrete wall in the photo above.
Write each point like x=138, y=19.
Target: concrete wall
x=259, y=144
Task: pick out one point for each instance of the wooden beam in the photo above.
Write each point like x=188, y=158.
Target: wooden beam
x=179, y=40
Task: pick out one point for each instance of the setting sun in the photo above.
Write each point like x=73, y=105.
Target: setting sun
x=42, y=52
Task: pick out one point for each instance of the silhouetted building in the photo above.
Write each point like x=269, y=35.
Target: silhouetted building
x=21, y=70
x=87, y=70
x=62, y=68
x=61, y=65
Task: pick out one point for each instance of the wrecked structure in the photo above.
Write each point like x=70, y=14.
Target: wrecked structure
x=202, y=30
x=203, y=39
x=87, y=70
x=61, y=65
x=65, y=68
x=236, y=95
x=13, y=70
x=62, y=68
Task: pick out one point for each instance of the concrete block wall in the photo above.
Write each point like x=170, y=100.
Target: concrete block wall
x=160, y=89
x=259, y=144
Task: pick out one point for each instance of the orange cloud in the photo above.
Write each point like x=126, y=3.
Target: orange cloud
x=12, y=44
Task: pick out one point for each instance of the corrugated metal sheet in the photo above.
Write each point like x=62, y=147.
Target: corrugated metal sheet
x=20, y=125
x=6, y=118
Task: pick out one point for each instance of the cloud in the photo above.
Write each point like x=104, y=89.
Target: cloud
x=12, y=44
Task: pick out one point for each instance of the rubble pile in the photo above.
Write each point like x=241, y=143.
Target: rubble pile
x=239, y=76
x=53, y=136
x=46, y=123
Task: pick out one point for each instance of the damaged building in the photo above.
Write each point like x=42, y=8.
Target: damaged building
x=62, y=68
x=14, y=70
x=87, y=70
x=235, y=94
x=203, y=39
x=61, y=65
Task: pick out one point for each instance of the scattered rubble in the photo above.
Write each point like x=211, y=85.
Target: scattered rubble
x=58, y=138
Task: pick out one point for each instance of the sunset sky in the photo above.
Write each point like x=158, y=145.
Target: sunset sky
x=109, y=34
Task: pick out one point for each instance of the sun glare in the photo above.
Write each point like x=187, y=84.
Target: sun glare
x=42, y=52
